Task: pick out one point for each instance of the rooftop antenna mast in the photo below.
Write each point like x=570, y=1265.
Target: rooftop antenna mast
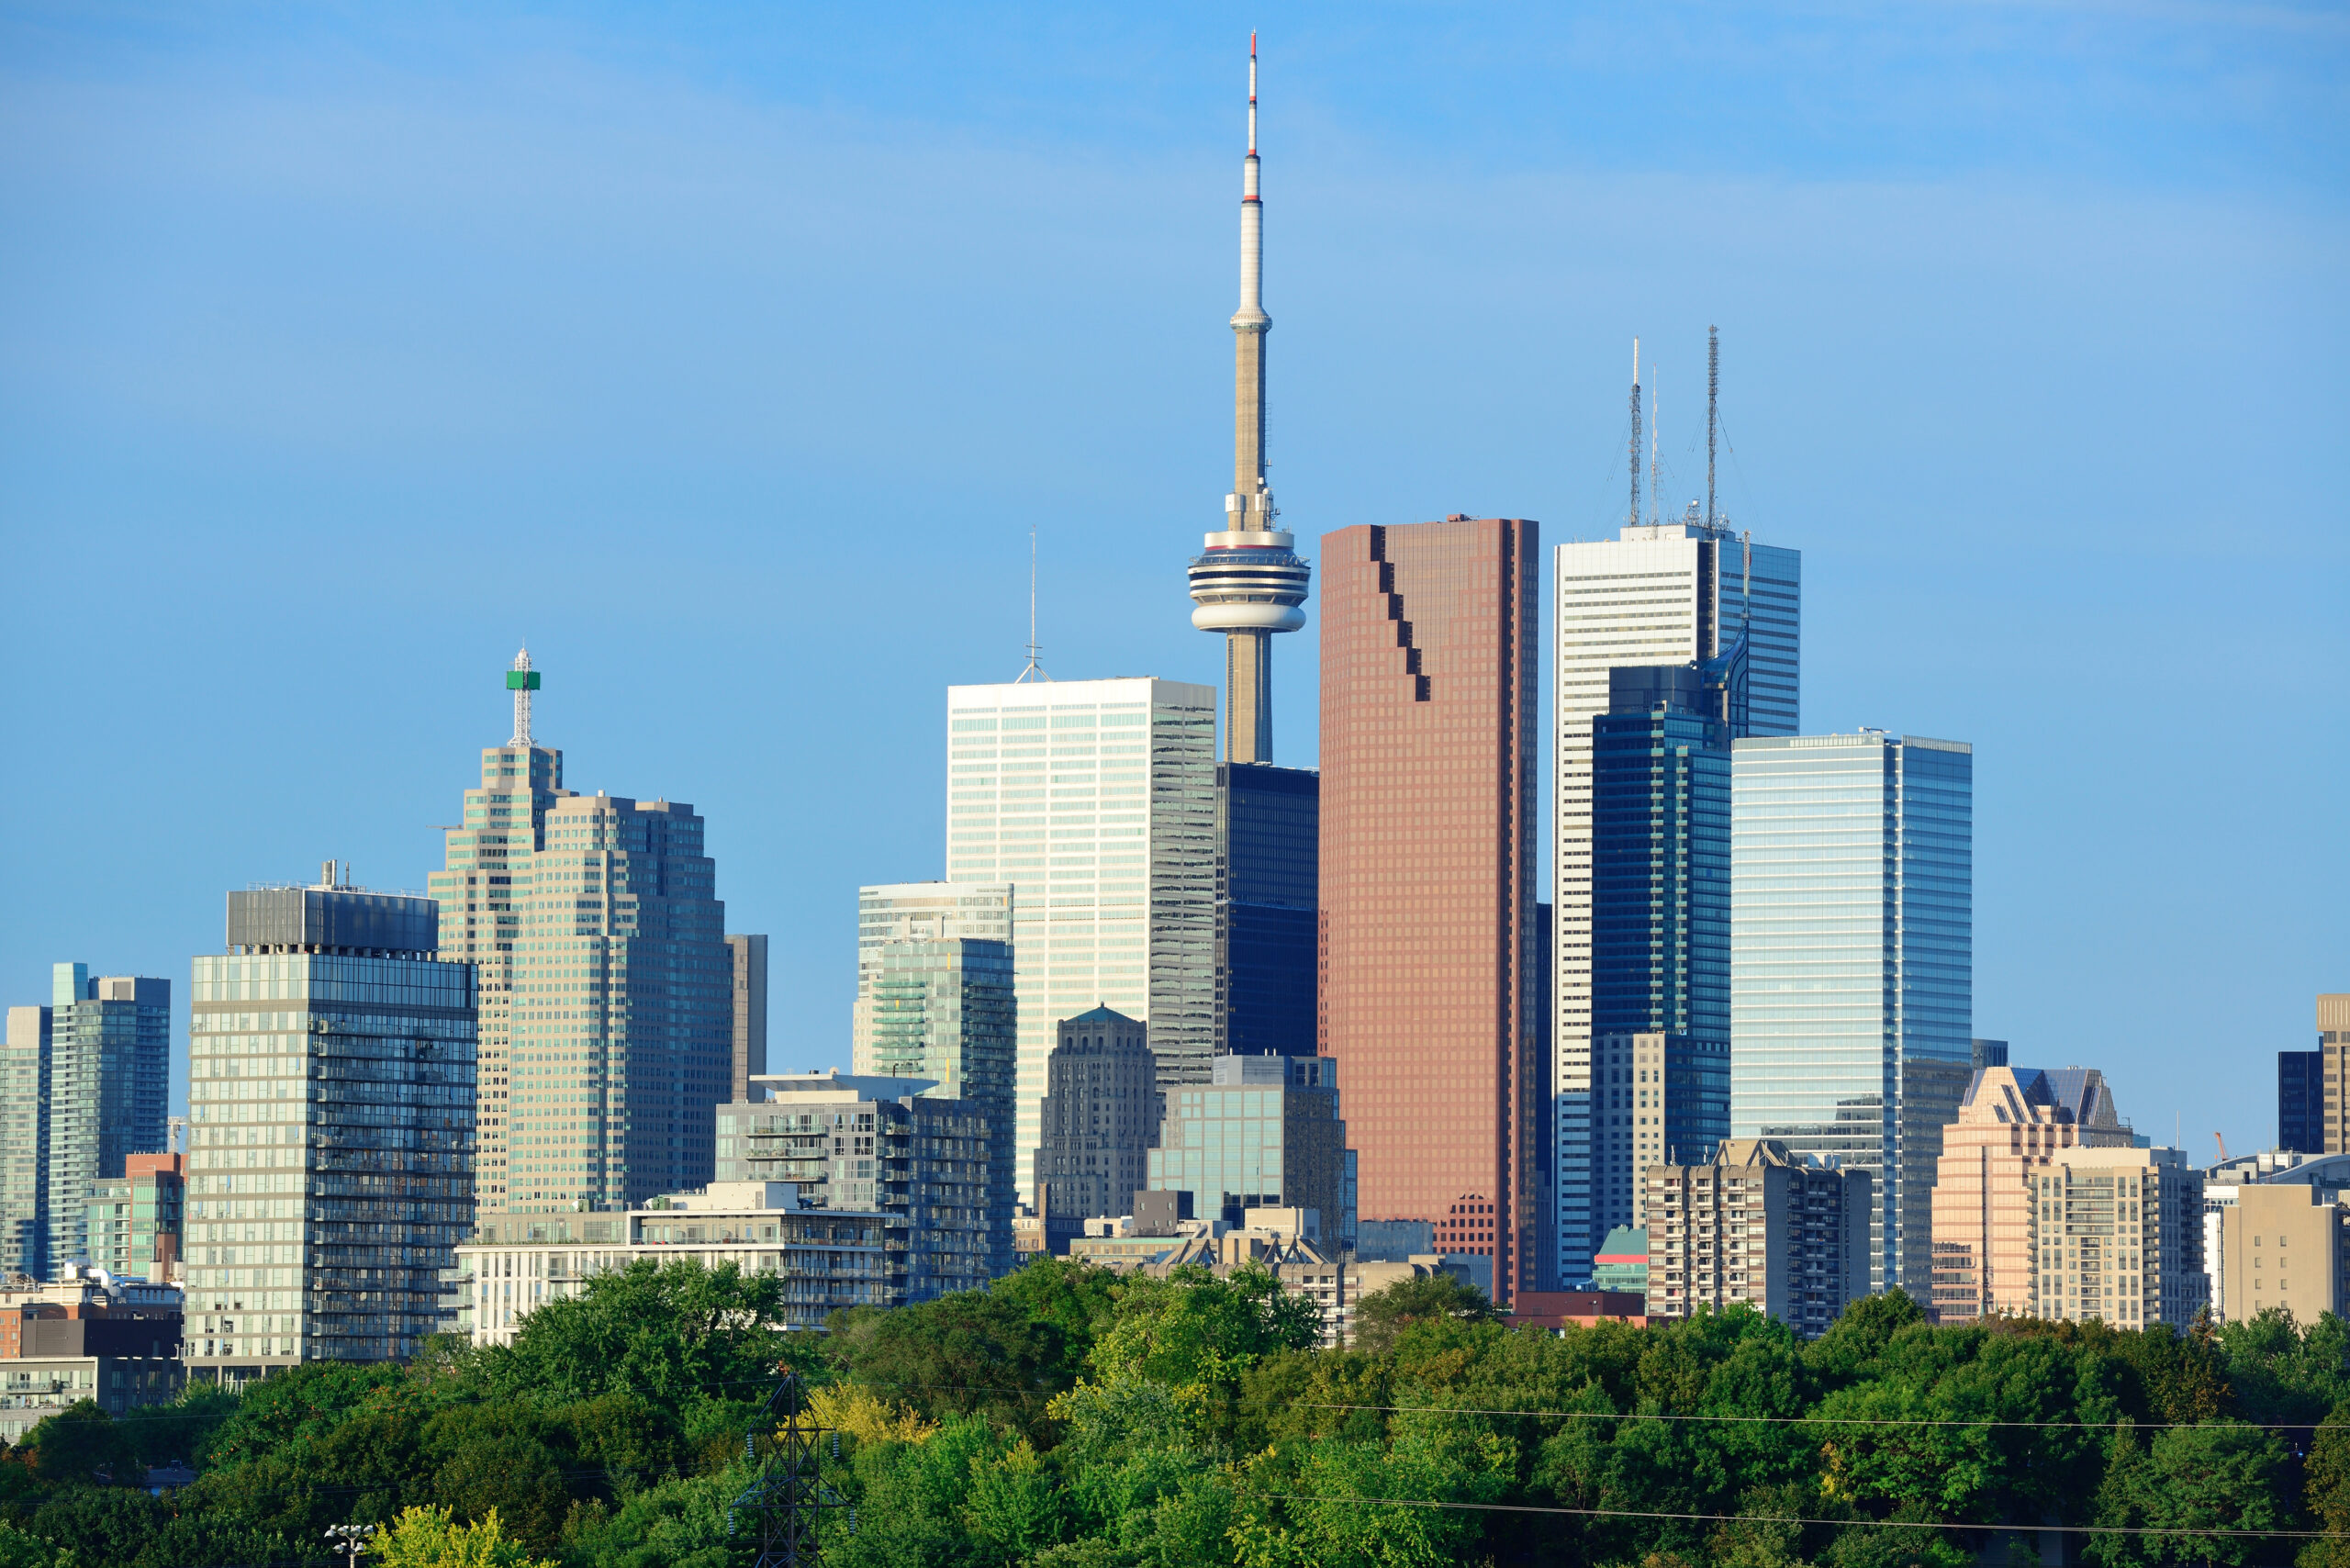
x=1636, y=432
x=1713, y=391
x=1656, y=494
x=1036, y=668
x=521, y=681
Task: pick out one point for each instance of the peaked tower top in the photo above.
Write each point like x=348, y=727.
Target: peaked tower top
x=521, y=681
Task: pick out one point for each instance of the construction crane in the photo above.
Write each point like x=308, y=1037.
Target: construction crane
x=2223, y=1148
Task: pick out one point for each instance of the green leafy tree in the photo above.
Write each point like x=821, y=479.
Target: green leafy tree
x=973, y=1351
x=2325, y=1488
x=82, y=1443
x=1442, y=1298
x=2221, y=1476
x=430, y=1537
x=1197, y=1333
x=667, y=1333
x=22, y=1549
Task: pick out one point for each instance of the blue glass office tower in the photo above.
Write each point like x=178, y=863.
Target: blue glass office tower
x=1267, y=837
x=1852, y=955
x=1659, y=931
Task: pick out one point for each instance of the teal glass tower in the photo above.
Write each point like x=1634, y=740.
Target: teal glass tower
x=1660, y=933
x=82, y=1083
x=1852, y=963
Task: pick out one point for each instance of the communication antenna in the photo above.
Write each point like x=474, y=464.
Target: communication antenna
x=1655, y=422
x=1636, y=432
x=1713, y=392
x=1036, y=668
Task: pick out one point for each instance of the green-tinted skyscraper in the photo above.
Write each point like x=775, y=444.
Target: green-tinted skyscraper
x=82, y=1085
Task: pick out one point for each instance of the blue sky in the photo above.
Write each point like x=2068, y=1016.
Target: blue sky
x=728, y=354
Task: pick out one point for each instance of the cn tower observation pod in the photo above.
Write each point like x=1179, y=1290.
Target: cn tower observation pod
x=1248, y=582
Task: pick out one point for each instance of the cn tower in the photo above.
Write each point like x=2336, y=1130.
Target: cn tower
x=1248, y=582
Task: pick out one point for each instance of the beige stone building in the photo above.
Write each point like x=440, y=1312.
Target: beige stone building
x=2280, y=1246
x=2117, y=1235
x=2011, y=1123
x=1758, y=1226
x=2333, y=1042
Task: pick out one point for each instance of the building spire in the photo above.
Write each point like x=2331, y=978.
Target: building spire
x=1035, y=666
x=521, y=681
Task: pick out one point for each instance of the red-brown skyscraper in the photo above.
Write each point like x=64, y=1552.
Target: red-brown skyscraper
x=1428, y=984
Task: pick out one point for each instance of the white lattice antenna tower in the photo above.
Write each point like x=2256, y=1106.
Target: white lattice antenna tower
x=521, y=681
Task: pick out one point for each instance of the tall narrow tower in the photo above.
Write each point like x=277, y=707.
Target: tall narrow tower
x=1249, y=582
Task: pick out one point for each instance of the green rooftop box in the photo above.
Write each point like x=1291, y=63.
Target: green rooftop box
x=521, y=681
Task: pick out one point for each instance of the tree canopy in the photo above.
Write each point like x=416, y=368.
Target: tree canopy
x=1072, y=1417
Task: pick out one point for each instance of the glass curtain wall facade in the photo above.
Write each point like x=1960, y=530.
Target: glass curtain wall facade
x=1429, y=725
x=1660, y=922
x=1097, y=800
x=608, y=1016
x=749, y=955
x=1674, y=593
x=135, y=1219
x=889, y=913
x=330, y=1104
x=83, y=1086
x=1852, y=943
x=947, y=1011
x=1262, y=1133
x=1268, y=835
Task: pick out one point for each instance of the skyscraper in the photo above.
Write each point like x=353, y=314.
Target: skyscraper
x=890, y=912
x=85, y=1082
x=1248, y=581
x=2300, y=1101
x=2333, y=1044
x=1267, y=837
x=1264, y=1132
x=1666, y=591
x=1851, y=953
x=1097, y=798
x=331, y=1103
x=1429, y=737
x=608, y=1018
x=2011, y=1122
x=1659, y=937
x=1101, y=1116
x=749, y=956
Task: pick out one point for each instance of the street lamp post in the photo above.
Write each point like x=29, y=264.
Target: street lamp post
x=350, y=1539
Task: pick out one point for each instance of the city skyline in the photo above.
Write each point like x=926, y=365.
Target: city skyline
x=1928, y=428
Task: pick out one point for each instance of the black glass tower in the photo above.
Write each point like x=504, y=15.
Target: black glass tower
x=1659, y=929
x=2300, y=1101
x=1269, y=837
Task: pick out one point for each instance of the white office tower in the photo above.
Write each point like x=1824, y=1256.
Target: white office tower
x=1660, y=593
x=1096, y=801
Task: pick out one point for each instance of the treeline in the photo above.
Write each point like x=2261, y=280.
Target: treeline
x=1075, y=1418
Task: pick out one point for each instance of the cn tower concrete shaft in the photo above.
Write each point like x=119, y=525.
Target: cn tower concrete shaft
x=1250, y=583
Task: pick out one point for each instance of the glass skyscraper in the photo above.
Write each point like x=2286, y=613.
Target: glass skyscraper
x=1674, y=592
x=83, y=1086
x=331, y=1103
x=1659, y=936
x=1851, y=953
x=1097, y=800
x=1268, y=837
x=1263, y=1132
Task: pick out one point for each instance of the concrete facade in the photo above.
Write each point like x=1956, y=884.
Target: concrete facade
x=2011, y=1123
x=2281, y=1247
x=1762, y=1226
x=2117, y=1235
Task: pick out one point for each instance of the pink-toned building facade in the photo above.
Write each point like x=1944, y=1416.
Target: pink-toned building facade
x=1430, y=994
x=2010, y=1125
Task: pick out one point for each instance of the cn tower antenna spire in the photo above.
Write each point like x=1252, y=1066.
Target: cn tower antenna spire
x=1249, y=582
